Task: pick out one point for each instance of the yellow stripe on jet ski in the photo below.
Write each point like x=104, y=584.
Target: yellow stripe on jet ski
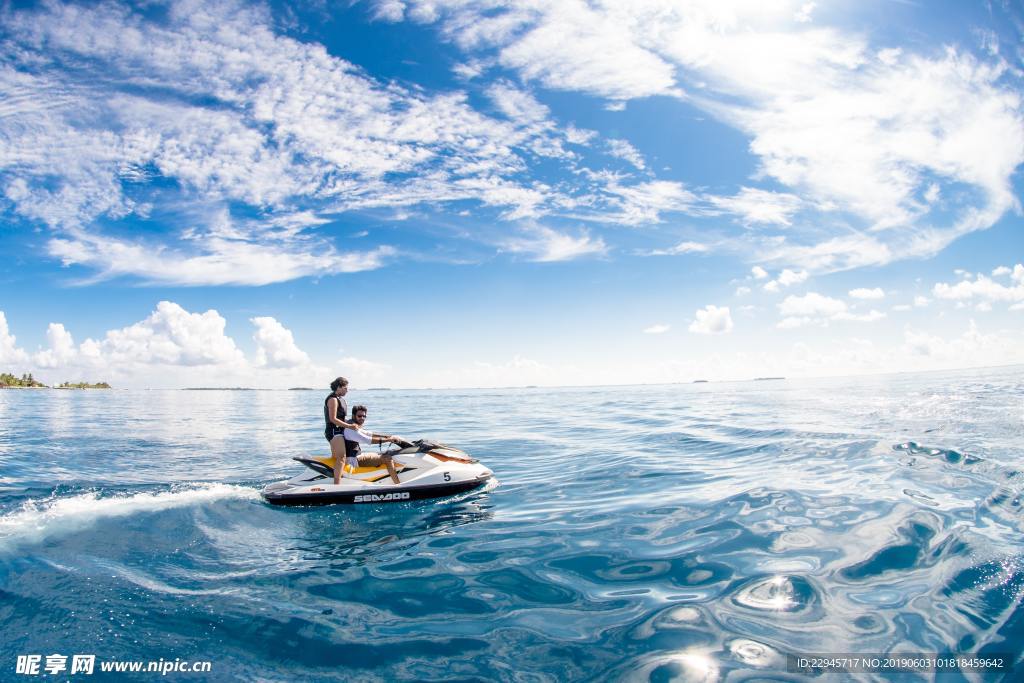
x=329, y=462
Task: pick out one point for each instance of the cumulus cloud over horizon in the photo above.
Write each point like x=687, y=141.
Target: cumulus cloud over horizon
x=195, y=345
x=985, y=289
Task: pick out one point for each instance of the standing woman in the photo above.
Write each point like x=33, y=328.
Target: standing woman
x=335, y=408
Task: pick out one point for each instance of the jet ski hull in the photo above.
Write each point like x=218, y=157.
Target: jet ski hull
x=425, y=470
x=391, y=494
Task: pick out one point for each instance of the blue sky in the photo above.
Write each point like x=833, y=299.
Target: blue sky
x=437, y=193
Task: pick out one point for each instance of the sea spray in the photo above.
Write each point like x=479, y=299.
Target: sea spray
x=39, y=519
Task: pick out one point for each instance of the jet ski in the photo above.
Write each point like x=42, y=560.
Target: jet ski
x=426, y=469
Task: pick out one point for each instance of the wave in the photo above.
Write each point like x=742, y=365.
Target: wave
x=38, y=519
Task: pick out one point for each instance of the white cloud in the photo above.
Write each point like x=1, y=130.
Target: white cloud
x=61, y=351
x=742, y=291
x=518, y=371
x=389, y=10
x=920, y=350
x=874, y=135
x=215, y=256
x=275, y=345
x=172, y=336
x=786, y=278
x=890, y=56
x=816, y=309
x=171, y=348
x=468, y=71
x=760, y=206
x=544, y=244
x=865, y=293
x=572, y=46
x=921, y=301
x=364, y=373
x=789, y=277
x=964, y=350
x=803, y=15
x=685, y=247
x=869, y=317
x=876, y=142
x=712, y=320
x=624, y=150
x=579, y=136
x=897, y=128
x=657, y=329
x=983, y=288
x=10, y=354
x=759, y=273
x=644, y=202
x=290, y=123
x=518, y=105
x=795, y=321
x=1000, y=271
x=836, y=253
x=812, y=304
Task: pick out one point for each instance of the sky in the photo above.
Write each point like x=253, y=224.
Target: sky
x=442, y=193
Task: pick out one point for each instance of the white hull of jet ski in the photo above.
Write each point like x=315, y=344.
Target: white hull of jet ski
x=425, y=470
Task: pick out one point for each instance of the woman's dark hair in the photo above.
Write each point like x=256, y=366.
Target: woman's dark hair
x=339, y=382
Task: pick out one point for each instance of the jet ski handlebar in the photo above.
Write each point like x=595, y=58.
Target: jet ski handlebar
x=417, y=446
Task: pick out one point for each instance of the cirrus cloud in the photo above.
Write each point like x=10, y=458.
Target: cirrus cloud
x=546, y=245
x=874, y=134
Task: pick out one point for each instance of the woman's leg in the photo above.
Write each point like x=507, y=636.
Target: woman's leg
x=338, y=451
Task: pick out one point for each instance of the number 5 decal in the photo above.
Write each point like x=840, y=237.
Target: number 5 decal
x=447, y=476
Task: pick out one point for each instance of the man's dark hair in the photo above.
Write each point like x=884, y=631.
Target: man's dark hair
x=356, y=409
x=339, y=382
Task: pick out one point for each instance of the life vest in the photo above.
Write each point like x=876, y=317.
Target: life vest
x=330, y=429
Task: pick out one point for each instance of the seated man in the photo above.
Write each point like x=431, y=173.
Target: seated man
x=355, y=437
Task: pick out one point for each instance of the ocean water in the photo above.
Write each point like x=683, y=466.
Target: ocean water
x=681, y=532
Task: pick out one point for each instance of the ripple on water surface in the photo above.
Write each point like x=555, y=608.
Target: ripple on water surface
x=697, y=532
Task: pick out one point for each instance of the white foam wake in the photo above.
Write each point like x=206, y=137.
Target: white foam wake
x=40, y=519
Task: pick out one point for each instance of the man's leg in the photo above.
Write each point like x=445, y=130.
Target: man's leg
x=390, y=464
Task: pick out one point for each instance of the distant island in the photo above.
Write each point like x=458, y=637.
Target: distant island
x=301, y=389
x=219, y=389
x=700, y=381
x=766, y=379
x=27, y=381
x=82, y=385
x=378, y=389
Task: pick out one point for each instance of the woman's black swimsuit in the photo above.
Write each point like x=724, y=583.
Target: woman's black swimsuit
x=332, y=429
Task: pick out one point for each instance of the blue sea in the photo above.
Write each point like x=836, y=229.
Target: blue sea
x=701, y=532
